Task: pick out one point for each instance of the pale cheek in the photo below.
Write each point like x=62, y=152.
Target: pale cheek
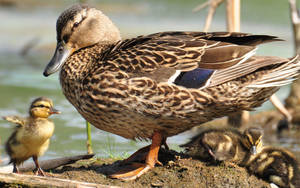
x=42, y=114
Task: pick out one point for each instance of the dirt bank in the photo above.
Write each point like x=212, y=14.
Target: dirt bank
x=178, y=170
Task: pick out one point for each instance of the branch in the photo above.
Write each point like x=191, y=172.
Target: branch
x=213, y=5
x=296, y=24
x=47, y=164
x=38, y=181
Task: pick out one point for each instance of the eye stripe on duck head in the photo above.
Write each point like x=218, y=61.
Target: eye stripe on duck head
x=249, y=138
x=255, y=134
x=258, y=141
x=41, y=106
x=69, y=20
x=41, y=102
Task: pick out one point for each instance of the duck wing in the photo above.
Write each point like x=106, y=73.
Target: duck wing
x=15, y=119
x=281, y=75
x=188, y=59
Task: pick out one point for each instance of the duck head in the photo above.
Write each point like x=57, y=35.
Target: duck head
x=218, y=145
x=78, y=27
x=253, y=139
x=42, y=107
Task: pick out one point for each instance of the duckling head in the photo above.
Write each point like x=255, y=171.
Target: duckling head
x=42, y=107
x=252, y=139
x=218, y=145
x=78, y=27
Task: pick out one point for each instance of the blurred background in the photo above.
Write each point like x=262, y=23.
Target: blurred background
x=28, y=39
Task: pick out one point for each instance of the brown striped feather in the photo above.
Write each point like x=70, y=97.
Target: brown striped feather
x=124, y=86
x=184, y=50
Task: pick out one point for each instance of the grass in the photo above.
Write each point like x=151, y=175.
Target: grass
x=111, y=149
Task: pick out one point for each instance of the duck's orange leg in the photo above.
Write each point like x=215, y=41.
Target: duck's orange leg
x=141, y=154
x=134, y=170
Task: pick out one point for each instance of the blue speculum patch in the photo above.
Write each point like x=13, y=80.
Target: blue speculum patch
x=193, y=79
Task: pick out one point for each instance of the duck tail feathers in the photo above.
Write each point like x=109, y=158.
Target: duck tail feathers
x=283, y=74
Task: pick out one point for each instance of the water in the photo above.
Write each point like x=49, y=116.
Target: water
x=21, y=77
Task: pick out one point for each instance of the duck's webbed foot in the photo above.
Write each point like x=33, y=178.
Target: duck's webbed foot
x=39, y=171
x=133, y=170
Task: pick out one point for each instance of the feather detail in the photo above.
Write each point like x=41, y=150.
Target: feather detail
x=196, y=78
x=282, y=75
x=15, y=119
x=231, y=55
x=168, y=81
x=184, y=51
x=251, y=65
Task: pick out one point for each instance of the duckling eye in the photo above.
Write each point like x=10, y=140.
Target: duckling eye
x=76, y=24
x=42, y=106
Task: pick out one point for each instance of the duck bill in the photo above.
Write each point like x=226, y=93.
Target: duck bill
x=54, y=111
x=253, y=150
x=62, y=52
x=212, y=154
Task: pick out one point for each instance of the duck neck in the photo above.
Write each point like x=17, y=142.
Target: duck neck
x=79, y=64
x=78, y=67
x=33, y=120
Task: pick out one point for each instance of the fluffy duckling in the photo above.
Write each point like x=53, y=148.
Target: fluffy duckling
x=276, y=165
x=225, y=144
x=31, y=136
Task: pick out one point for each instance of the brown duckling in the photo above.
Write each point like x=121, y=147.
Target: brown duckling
x=31, y=136
x=276, y=165
x=225, y=144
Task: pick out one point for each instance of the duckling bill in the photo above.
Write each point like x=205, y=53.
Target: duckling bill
x=32, y=134
x=162, y=84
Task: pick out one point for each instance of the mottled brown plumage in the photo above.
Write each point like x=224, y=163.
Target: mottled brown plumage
x=225, y=144
x=276, y=165
x=31, y=136
x=160, y=84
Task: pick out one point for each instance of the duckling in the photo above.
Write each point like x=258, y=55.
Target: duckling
x=225, y=144
x=159, y=85
x=276, y=165
x=31, y=136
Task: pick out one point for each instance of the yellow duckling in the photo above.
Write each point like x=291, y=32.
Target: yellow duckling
x=225, y=144
x=276, y=165
x=31, y=136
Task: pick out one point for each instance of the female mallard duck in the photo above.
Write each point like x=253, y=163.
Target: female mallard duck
x=225, y=144
x=276, y=165
x=31, y=137
x=159, y=85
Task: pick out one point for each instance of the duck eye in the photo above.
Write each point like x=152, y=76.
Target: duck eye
x=42, y=106
x=65, y=39
x=76, y=24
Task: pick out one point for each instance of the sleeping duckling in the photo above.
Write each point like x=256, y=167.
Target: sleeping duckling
x=226, y=144
x=31, y=136
x=277, y=166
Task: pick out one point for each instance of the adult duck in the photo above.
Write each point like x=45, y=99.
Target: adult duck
x=159, y=85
